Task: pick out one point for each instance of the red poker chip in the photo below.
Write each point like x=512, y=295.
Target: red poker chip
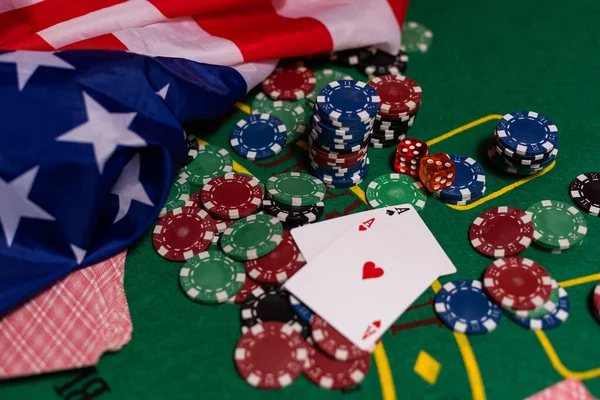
x=289, y=83
x=231, y=196
x=270, y=355
x=596, y=298
x=501, y=232
x=337, y=156
x=278, y=265
x=182, y=233
x=247, y=288
x=328, y=373
x=333, y=343
x=220, y=224
x=398, y=94
x=336, y=162
x=517, y=283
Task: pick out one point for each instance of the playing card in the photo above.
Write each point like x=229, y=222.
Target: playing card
x=367, y=277
x=569, y=389
x=311, y=239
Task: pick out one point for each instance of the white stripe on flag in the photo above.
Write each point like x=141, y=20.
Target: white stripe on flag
x=377, y=23
x=181, y=37
x=7, y=5
x=107, y=20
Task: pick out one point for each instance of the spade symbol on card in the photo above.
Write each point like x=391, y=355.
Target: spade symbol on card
x=366, y=224
x=396, y=211
x=371, y=329
x=371, y=271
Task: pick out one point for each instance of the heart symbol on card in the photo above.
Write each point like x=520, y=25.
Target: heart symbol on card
x=362, y=228
x=370, y=270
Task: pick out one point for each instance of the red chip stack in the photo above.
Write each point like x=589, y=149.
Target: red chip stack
x=408, y=156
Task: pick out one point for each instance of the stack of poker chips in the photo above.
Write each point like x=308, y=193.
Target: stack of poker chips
x=524, y=143
x=469, y=182
x=400, y=101
x=341, y=129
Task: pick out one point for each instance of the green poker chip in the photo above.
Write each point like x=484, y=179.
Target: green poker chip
x=291, y=113
x=178, y=195
x=211, y=277
x=324, y=76
x=209, y=162
x=557, y=225
x=296, y=189
x=541, y=310
x=393, y=189
x=252, y=237
x=416, y=37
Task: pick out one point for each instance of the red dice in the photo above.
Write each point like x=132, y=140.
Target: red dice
x=437, y=172
x=408, y=156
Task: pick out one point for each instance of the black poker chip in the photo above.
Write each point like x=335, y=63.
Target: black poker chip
x=293, y=215
x=379, y=63
x=271, y=303
x=349, y=58
x=585, y=192
x=192, y=145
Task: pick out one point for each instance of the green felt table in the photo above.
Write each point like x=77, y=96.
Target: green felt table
x=486, y=59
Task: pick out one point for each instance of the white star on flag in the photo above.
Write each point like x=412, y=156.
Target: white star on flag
x=29, y=61
x=128, y=187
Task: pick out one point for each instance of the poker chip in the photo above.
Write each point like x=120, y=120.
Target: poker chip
x=398, y=94
x=517, y=283
x=252, y=237
x=501, y=232
x=231, y=196
x=270, y=303
x=289, y=83
x=455, y=202
x=323, y=76
x=258, y=136
x=349, y=58
x=211, y=277
x=292, y=115
x=393, y=189
x=347, y=181
x=278, y=265
x=209, y=162
x=179, y=194
x=291, y=216
x=416, y=37
x=379, y=62
x=295, y=188
x=333, y=343
x=553, y=319
x=463, y=307
x=247, y=288
x=192, y=145
x=542, y=310
x=585, y=192
x=271, y=355
x=303, y=312
x=182, y=233
x=527, y=132
x=332, y=374
x=557, y=225
x=596, y=297
x=348, y=100
x=469, y=178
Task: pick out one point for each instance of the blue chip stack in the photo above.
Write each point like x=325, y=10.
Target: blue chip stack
x=341, y=128
x=524, y=143
x=469, y=182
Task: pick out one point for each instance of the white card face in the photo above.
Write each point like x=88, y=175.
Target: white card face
x=367, y=277
x=311, y=239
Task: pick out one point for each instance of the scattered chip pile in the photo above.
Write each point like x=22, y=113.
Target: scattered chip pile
x=294, y=198
x=585, y=192
x=408, y=156
x=524, y=143
x=558, y=227
x=290, y=113
x=341, y=127
x=258, y=136
x=466, y=186
x=416, y=37
x=400, y=100
x=520, y=287
x=393, y=189
x=178, y=195
x=289, y=82
x=371, y=61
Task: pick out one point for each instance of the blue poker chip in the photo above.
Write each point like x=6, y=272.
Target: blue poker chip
x=553, y=319
x=341, y=124
x=346, y=139
x=347, y=181
x=468, y=181
x=527, y=133
x=337, y=172
x=464, y=307
x=258, y=136
x=534, y=165
x=348, y=100
x=348, y=147
x=465, y=202
x=301, y=310
x=316, y=122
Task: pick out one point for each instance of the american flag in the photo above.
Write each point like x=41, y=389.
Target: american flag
x=93, y=95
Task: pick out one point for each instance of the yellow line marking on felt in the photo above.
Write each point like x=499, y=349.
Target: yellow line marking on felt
x=580, y=281
x=463, y=128
x=243, y=107
x=427, y=367
x=557, y=363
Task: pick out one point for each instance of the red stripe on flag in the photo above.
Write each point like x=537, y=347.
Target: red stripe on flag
x=399, y=8
x=102, y=42
x=31, y=42
x=260, y=33
x=184, y=8
x=18, y=25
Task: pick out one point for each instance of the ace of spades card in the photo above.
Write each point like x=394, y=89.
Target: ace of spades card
x=371, y=273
